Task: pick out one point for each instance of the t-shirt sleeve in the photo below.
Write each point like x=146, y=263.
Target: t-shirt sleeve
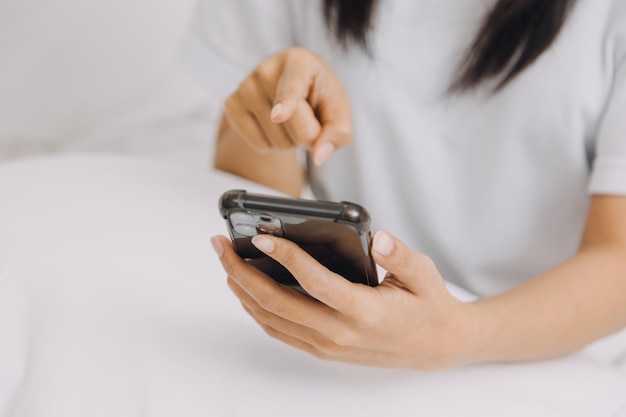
x=608, y=174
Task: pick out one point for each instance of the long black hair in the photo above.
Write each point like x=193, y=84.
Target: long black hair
x=513, y=35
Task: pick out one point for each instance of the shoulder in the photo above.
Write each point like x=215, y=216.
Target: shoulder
x=597, y=27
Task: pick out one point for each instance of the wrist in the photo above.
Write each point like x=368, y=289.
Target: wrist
x=277, y=169
x=473, y=341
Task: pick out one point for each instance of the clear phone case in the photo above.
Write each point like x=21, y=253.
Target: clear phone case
x=336, y=234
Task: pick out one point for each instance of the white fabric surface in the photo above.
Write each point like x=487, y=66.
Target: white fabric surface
x=113, y=304
x=494, y=188
x=99, y=76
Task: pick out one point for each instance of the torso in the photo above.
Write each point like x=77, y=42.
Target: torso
x=494, y=188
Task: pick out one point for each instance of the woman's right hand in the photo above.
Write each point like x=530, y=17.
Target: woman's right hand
x=291, y=99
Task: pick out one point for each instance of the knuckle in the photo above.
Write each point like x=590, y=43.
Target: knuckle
x=265, y=73
x=253, y=311
x=283, y=145
x=328, y=348
x=286, y=256
x=271, y=331
x=424, y=261
x=366, y=320
x=286, y=90
x=408, y=259
x=232, y=105
x=250, y=309
x=319, y=287
x=304, y=133
x=232, y=284
x=343, y=134
x=261, y=315
x=248, y=88
x=282, y=140
x=343, y=338
x=321, y=355
x=297, y=53
x=269, y=304
x=230, y=267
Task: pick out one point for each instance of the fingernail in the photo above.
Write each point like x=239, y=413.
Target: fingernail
x=218, y=247
x=263, y=244
x=323, y=153
x=276, y=110
x=383, y=243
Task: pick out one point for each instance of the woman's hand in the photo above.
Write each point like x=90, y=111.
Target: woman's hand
x=290, y=99
x=410, y=320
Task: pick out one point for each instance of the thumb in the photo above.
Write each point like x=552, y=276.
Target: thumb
x=412, y=270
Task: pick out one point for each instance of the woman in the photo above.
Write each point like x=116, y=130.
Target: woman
x=487, y=137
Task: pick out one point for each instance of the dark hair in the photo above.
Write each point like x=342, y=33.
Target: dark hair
x=513, y=35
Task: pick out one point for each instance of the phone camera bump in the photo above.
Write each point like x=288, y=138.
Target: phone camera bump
x=268, y=229
x=269, y=225
x=243, y=223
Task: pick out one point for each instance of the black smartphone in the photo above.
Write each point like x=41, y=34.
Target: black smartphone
x=336, y=234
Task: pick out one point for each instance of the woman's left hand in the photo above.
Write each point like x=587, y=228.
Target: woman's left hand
x=410, y=320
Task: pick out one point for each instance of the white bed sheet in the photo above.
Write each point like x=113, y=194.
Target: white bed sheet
x=113, y=304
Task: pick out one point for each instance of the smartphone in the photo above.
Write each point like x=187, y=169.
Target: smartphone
x=336, y=234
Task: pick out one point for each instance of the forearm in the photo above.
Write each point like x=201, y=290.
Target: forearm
x=279, y=170
x=557, y=312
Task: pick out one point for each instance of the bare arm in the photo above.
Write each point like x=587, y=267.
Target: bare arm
x=279, y=170
x=412, y=321
x=568, y=306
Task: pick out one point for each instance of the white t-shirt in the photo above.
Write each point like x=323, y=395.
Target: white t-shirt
x=494, y=188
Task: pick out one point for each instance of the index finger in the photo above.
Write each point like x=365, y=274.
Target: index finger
x=270, y=295
x=299, y=72
x=335, y=116
x=309, y=79
x=326, y=286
